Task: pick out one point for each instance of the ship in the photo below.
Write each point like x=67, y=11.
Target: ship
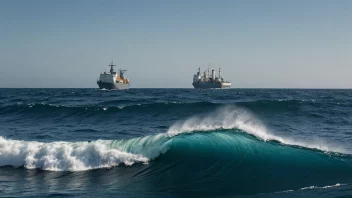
x=112, y=80
x=206, y=81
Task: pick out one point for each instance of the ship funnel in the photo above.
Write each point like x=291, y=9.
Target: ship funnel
x=213, y=74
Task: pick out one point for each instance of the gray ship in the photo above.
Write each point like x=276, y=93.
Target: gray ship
x=205, y=81
x=112, y=80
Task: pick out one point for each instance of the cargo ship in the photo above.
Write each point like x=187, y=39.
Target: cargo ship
x=112, y=80
x=206, y=81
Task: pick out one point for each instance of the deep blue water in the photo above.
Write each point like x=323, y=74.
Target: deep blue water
x=175, y=143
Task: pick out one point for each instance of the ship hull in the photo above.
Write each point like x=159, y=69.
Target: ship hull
x=211, y=85
x=119, y=86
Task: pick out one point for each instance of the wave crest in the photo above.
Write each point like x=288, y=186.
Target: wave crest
x=232, y=117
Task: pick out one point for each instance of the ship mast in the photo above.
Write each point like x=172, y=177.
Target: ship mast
x=112, y=65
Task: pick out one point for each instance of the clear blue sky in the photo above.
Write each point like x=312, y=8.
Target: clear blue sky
x=274, y=44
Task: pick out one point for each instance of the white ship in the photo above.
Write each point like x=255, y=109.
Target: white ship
x=206, y=81
x=112, y=80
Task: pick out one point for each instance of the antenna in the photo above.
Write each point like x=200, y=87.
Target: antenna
x=122, y=71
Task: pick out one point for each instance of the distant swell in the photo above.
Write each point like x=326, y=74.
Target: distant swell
x=40, y=108
x=132, y=106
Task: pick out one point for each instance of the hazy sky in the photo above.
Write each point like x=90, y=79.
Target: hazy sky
x=272, y=44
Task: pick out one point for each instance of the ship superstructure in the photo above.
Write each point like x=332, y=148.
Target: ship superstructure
x=207, y=80
x=112, y=80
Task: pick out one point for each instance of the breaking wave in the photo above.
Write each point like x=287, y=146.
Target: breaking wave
x=231, y=117
x=230, y=126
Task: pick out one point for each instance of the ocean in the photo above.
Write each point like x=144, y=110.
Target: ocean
x=175, y=143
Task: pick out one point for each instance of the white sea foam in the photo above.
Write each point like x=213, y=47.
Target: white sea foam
x=314, y=187
x=323, y=187
x=64, y=156
x=232, y=117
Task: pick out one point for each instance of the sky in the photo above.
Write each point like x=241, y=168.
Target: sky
x=258, y=44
